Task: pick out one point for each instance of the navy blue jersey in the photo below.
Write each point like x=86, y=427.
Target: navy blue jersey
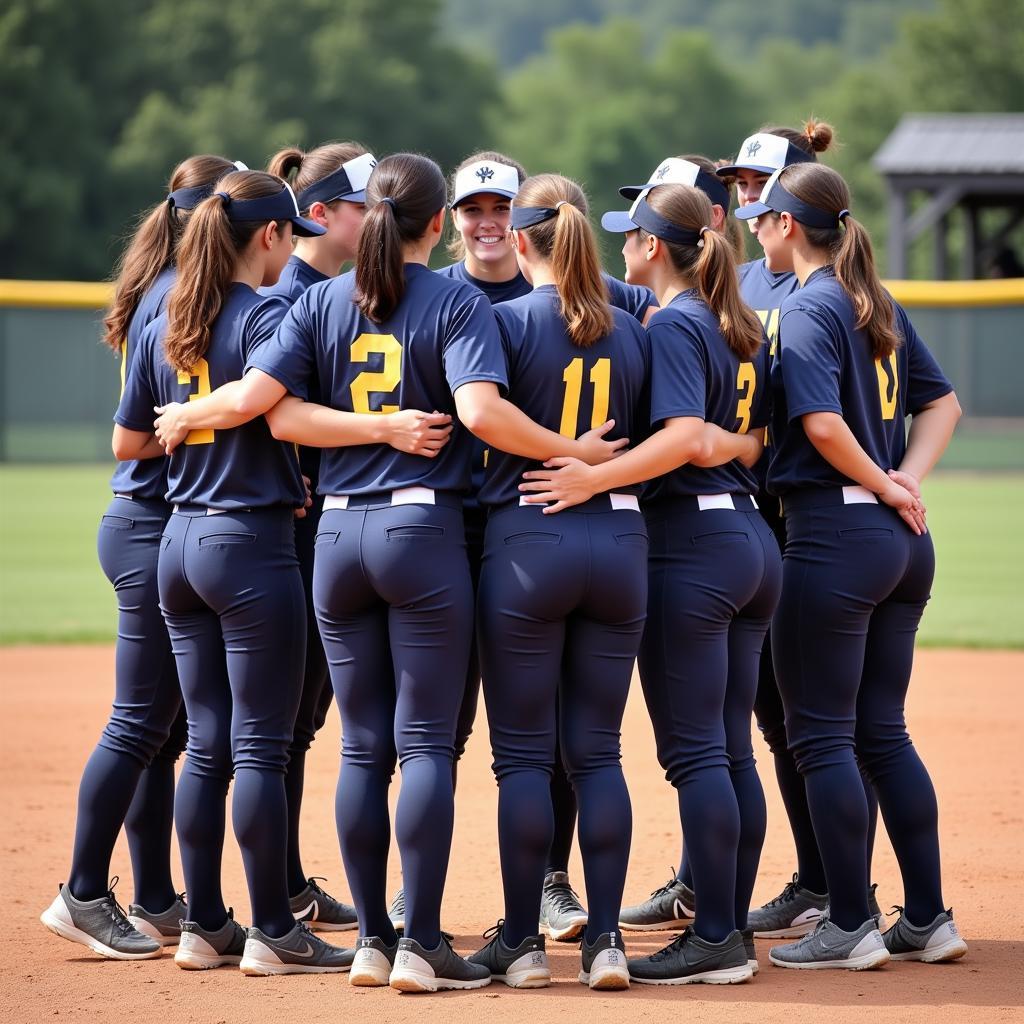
x=225, y=469
x=146, y=478
x=496, y=291
x=695, y=373
x=441, y=336
x=824, y=364
x=633, y=298
x=563, y=387
x=296, y=277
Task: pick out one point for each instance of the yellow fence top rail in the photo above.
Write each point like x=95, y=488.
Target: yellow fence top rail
x=97, y=295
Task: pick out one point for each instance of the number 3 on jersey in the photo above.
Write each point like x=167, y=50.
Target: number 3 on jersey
x=201, y=375
x=377, y=382
x=746, y=381
x=601, y=378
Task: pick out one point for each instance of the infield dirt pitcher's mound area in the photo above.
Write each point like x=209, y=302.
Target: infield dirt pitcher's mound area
x=966, y=717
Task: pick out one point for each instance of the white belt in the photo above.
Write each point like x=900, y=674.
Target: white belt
x=710, y=501
x=618, y=501
x=209, y=511
x=859, y=496
x=127, y=497
x=401, y=496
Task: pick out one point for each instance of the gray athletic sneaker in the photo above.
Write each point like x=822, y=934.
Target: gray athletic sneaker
x=298, y=952
x=932, y=944
x=165, y=927
x=99, y=924
x=670, y=906
x=750, y=949
x=321, y=911
x=526, y=966
x=604, y=964
x=397, y=911
x=794, y=912
x=562, y=915
x=427, y=970
x=689, y=959
x=828, y=946
x=373, y=961
x=201, y=950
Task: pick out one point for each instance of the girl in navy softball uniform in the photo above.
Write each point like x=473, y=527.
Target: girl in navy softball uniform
x=330, y=188
x=714, y=565
x=129, y=778
x=859, y=563
x=229, y=580
x=562, y=603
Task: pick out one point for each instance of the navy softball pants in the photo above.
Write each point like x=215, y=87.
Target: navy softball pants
x=855, y=584
x=715, y=576
x=394, y=602
x=232, y=597
x=559, y=616
x=129, y=778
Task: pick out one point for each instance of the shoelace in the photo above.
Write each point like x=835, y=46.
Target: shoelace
x=676, y=944
x=786, y=896
x=495, y=930
x=822, y=922
x=311, y=882
x=398, y=903
x=562, y=895
x=896, y=909
x=664, y=889
x=117, y=912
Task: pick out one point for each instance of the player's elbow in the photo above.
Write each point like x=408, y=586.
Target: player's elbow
x=821, y=428
x=124, y=446
x=278, y=423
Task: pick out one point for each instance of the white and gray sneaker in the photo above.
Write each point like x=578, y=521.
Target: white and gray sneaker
x=604, y=964
x=794, y=912
x=828, y=946
x=298, y=952
x=427, y=970
x=669, y=906
x=934, y=943
x=750, y=949
x=321, y=911
x=202, y=950
x=525, y=966
x=165, y=927
x=99, y=924
x=562, y=915
x=371, y=967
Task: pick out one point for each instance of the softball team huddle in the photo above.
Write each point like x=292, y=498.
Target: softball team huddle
x=387, y=484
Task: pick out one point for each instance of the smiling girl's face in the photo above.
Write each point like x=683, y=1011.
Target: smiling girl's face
x=483, y=220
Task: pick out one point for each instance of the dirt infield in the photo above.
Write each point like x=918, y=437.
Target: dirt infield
x=965, y=713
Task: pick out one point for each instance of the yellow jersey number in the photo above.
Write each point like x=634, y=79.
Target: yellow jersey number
x=201, y=376
x=888, y=389
x=770, y=322
x=377, y=382
x=746, y=382
x=601, y=378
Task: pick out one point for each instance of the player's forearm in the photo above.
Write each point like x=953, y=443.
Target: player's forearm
x=930, y=433
x=317, y=426
x=501, y=425
x=135, y=445
x=835, y=442
x=676, y=444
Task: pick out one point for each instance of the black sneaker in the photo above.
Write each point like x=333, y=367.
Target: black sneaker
x=934, y=943
x=794, y=912
x=427, y=970
x=165, y=927
x=321, y=911
x=201, y=950
x=689, y=959
x=298, y=952
x=670, y=906
x=373, y=961
x=751, y=950
x=562, y=915
x=604, y=963
x=526, y=966
x=99, y=924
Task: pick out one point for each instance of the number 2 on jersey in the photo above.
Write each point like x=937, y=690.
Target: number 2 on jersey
x=746, y=381
x=888, y=390
x=601, y=378
x=201, y=375
x=378, y=382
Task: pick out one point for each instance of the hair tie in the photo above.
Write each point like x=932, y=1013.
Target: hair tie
x=223, y=197
x=700, y=243
x=170, y=200
x=561, y=203
x=388, y=201
x=843, y=214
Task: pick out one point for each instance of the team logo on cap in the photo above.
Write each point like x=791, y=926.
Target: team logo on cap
x=662, y=171
x=753, y=148
x=484, y=173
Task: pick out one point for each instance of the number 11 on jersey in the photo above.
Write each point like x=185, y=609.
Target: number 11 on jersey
x=601, y=378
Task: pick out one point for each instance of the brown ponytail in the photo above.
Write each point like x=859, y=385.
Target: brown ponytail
x=207, y=257
x=312, y=166
x=567, y=242
x=455, y=245
x=812, y=137
x=415, y=189
x=151, y=249
x=849, y=250
x=711, y=266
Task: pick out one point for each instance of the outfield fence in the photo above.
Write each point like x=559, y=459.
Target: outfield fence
x=59, y=385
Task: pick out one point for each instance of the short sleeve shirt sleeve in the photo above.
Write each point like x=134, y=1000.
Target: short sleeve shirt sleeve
x=135, y=410
x=284, y=346
x=679, y=371
x=472, y=346
x=810, y=362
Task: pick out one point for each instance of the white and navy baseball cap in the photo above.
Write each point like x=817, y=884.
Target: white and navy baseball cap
x=672, y=171
x=348, y=183
x=775, y=197
x=485, y=176
x=765, y=153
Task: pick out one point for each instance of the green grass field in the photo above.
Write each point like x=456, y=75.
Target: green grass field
x=52, y=589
